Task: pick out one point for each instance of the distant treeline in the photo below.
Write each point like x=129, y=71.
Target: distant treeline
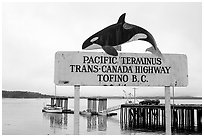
x=26, y=94
x=23, y=94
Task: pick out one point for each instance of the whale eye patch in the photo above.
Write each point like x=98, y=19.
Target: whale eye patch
x=94, y=39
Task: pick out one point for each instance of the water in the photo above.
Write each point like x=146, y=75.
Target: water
x=24, y=117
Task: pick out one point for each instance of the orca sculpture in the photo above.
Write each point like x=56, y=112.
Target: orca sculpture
x=111, y=37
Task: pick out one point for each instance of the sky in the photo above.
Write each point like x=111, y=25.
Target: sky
x=34, y=32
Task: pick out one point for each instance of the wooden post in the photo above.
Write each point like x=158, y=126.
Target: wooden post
x=192, y=119
x=105, y=105
x=76, y=108
x=100, y=105
x=144, y=117
x=134, y=94
x=52, y=102
x=94, y=105
x=167, y=110
x=121, y=115
x=61, y=102
x=89, y=105
x=199, y=118
x=57, y=102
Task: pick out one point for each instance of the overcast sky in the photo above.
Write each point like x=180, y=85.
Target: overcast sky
x=33, y=32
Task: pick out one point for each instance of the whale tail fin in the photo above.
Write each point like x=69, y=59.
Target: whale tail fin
x=155, y=51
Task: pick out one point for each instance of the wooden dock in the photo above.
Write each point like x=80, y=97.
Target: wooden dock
x=185, y=118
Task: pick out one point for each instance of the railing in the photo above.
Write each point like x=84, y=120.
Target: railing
x=111, y=109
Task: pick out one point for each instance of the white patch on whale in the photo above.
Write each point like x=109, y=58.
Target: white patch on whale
x=138, y=36
x=128, y=26
x=93, y=46
x=94, y=39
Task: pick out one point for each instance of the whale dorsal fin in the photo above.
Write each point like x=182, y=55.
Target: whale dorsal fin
x=122, y=18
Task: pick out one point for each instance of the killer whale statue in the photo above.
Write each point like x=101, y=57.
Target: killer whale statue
x=111, y=37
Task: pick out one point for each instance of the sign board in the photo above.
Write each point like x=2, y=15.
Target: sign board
x=126, y=69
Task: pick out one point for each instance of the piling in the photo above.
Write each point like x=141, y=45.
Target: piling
x=95, y=105
x=66, y=103
x=57, y=102
x=94, y=109
x=52, y=101
x=61, y=102
x=89, y=104
x=92, y=105
x=102, y=104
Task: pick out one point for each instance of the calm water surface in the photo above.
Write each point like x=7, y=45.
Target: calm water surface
x=24, y=117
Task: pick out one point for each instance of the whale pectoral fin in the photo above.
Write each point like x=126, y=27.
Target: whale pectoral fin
x=110, y=50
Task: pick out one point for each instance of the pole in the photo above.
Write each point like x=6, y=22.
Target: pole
x=174, y=113
x=55, y=95
x=173, y=97
x=76, y=108
x=55, y=91
x=168, y=110
x=134, y=94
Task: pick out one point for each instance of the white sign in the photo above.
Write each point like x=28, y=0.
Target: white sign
x=126, y=69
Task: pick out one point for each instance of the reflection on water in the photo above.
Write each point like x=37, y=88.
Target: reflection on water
x=57, y=120
x=24, y=117
x=61, y=121
x=92, y=123
x=102, y=123
x=96, y=121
